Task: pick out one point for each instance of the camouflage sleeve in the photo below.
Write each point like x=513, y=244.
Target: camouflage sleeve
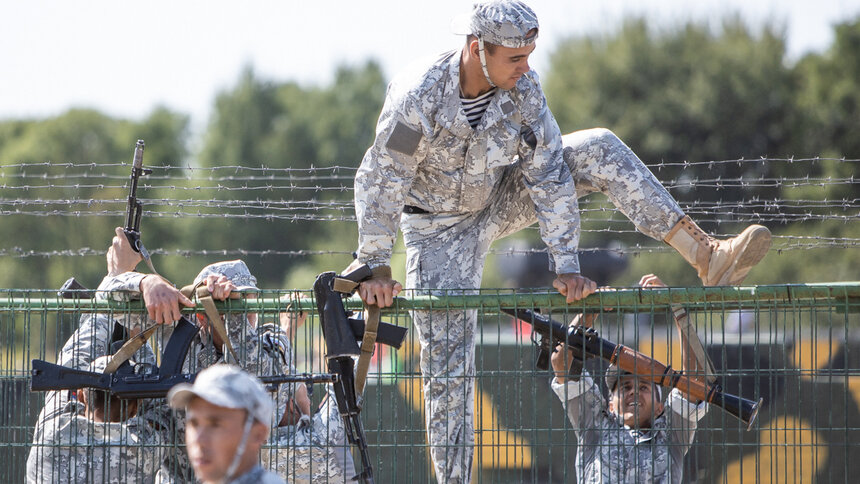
x=279, y=352
x=123, y=288
x=684, y=416
x=386, y=174
x=582, y=401
x=549, y=180
x=251, y=350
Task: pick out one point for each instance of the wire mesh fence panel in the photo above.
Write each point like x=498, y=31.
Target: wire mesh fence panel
x=792, y=346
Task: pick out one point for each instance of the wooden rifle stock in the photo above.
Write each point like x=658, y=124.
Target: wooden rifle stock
x=632, y=361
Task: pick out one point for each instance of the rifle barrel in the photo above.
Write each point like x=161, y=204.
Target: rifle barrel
x=632, y=361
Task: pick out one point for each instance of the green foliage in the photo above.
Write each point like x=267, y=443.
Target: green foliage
x=690, y=92
x=259, y=123
x=76, y=137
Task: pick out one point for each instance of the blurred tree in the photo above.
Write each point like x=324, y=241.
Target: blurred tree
x=55, y=217
x=261, y=124
x=829, y=97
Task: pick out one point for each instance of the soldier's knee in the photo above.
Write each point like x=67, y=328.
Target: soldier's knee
x=595, y=136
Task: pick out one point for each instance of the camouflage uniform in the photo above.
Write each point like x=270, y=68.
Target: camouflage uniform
x=228, y=386
x=609, y=451
x=475, y=186
x=313, y=451
x=261, y=351
x=69, y=447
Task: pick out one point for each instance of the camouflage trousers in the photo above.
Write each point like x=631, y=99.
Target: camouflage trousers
x=447, y=251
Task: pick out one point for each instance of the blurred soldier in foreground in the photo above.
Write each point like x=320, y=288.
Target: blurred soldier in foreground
x=634, y=437
x=229, y=414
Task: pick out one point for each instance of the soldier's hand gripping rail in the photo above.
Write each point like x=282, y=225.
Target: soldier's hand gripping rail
x=586, y=341
x=342, y=334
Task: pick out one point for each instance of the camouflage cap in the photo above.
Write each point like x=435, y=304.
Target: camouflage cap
x=235, y=270
x=501, y=22
x=226, y=386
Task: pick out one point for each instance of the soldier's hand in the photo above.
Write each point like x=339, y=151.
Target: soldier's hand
x=380, y=289
x=560, y=359
x=120, y=256
x=650, y=280
x=586, y=320
x=162, y=299
x=574, y=286
x=292, y=320
x=219, y=286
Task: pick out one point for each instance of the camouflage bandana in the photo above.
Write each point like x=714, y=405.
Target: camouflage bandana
x=235, y=270
x=500, y=22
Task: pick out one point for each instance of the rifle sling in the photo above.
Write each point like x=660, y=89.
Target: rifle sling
x=128, y=349
x=201, y=292
x=368, y=341
x=690, y=338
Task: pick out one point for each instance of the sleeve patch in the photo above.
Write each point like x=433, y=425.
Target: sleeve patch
x=403, y=139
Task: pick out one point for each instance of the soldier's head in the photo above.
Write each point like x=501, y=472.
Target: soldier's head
x=237, y=272
x=635, y=400
x=102, y=406
x=500, y=37
x=228, y=416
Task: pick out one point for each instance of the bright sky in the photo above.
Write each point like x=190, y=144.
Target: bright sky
x=124, y=58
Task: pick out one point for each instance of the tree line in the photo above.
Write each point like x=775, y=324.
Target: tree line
x=687, y=93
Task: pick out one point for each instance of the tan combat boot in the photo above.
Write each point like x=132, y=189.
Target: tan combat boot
x=719, y=262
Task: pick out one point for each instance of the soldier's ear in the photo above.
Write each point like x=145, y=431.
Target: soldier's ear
x=81, y=396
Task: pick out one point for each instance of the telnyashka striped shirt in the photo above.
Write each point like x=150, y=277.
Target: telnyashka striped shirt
x=474, y=108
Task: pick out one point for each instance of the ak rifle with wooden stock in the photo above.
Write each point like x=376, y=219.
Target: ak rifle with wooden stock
x=587, y=340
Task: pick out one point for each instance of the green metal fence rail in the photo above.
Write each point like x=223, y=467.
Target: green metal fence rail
x=797, y=346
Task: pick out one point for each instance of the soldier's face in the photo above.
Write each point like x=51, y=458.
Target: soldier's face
x=635, y=401
x=507, y=65
x=212, y=434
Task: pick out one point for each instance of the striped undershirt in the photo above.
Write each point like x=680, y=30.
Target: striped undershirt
x=474, y=108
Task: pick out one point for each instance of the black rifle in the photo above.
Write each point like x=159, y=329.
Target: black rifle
x=135, y=207
x=341, y=340
x=586, y=341
x=129, y=382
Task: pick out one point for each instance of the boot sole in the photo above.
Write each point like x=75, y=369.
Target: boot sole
x=758, y=243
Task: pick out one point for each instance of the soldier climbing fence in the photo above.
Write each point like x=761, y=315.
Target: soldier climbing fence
x=794, y=346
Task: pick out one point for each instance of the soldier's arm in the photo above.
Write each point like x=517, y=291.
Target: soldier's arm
x=386, y=174
x=549, y=181
x=579, y=396
x=684, y=417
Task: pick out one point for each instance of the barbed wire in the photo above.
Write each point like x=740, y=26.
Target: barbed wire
x=324, y=194
x=782, y=243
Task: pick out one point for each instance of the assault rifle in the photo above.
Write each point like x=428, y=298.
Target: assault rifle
x=135, y=207
x=586, y=341
x=342, y=334
x=130, y=382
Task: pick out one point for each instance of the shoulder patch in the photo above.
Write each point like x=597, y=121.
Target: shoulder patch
x=403, y=139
